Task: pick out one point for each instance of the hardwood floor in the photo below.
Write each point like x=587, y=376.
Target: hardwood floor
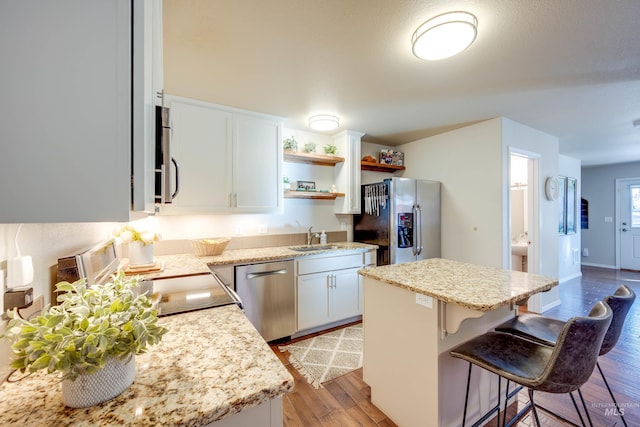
x=346, y=401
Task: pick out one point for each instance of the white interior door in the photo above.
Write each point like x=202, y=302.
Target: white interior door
x=629, y=229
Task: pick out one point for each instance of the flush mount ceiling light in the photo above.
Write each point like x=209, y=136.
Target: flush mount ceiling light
x=324, y=122
x=444, y=35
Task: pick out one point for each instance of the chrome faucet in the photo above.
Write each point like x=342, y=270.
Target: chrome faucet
x=311, y=236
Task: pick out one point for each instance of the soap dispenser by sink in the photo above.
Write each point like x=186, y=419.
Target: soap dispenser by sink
x=323, y=238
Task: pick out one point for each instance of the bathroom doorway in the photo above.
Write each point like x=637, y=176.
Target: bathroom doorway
x=519, y=213
x=523, y=224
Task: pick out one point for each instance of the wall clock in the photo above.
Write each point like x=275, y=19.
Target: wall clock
x=552, y=188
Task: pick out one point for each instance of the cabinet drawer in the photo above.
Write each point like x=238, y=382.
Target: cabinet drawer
x=316, y=265
x=369, y=258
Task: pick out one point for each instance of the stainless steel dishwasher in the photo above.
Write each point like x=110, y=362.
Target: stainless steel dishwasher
x=267, y=292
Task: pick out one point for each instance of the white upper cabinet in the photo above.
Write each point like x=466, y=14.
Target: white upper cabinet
x=257, y=163
x=347, y=174
x=65, y=115
x=228, y=160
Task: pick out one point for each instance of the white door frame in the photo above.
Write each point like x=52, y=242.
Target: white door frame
x=620, y=182
x=534, y=215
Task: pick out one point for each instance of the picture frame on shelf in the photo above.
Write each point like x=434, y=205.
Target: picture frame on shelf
x=306, y=186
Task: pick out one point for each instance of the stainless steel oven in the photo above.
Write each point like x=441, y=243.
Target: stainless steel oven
x=190, y=293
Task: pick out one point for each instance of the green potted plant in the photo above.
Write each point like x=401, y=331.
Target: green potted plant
x=90, y=338
x=309, y=147
x=330, y=149
x=290, y=144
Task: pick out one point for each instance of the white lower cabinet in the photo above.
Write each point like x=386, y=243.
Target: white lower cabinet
x=329, y=288
x=327, y=297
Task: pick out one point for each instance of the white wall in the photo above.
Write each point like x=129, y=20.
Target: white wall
x=298, y=216
x=467, y=162
x=46, y=243
x=569, y=267
x=472, y=164
x=544, y=147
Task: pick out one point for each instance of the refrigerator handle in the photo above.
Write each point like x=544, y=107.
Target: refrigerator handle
x=418, y=229
x=414, y=248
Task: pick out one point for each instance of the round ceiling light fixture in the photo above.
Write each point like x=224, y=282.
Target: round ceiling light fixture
x=444, y=35
x=324, y=122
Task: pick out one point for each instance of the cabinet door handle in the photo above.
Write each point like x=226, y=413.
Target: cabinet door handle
x=177, y=190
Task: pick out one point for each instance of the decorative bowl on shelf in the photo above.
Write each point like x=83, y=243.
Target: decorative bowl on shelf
x=209, y=247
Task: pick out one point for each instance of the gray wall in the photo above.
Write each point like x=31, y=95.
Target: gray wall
x=599, y=188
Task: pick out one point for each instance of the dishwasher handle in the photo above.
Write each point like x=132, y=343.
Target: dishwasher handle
x=266, y=273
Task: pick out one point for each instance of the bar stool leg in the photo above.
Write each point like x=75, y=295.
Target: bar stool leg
x=506, y=401
x=586, y=410
x=466, y=397
x=575, y=405
x=611, y=394
x=533, y=408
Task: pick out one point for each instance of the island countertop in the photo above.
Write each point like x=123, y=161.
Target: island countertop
x=472, y=286
x=210, y=364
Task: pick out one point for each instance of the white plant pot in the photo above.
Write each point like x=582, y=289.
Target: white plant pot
x=140, y=254
x=105, y=384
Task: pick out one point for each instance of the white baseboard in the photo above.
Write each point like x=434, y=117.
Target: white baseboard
x=588, y=264
x=574, y=276
x=327, y=326
x=550, y=306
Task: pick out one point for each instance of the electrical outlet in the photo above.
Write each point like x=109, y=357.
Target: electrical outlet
x=263, y=229
x=424, y=300
x=238, y=229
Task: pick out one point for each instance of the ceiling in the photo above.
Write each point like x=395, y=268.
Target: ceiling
x=569, y=68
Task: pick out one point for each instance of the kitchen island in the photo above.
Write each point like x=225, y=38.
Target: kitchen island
x=414, y=313
x=211, y=366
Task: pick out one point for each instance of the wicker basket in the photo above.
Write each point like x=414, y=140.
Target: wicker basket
x=209, y=247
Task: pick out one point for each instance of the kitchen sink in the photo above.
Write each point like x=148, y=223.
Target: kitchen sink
x=520, y=249
x=313, y=248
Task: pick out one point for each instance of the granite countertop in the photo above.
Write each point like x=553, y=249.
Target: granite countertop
x=190, y=264
x=472, y=286
x=212, y=363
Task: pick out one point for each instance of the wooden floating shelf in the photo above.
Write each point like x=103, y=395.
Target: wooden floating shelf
x=311, y=195
x=313, y=158
x=380, y=167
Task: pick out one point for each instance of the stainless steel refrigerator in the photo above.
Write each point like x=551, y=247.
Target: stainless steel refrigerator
x=402, y=217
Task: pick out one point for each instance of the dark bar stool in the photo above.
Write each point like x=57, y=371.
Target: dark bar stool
x=563, y=368
x=546, y=330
